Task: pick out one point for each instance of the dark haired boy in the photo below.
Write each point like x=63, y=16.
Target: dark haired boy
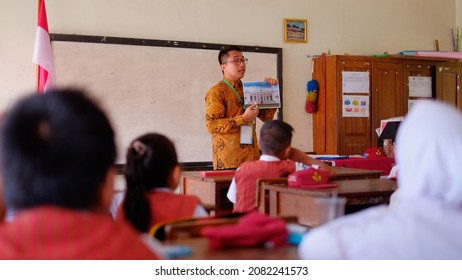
x=58, y=150
x=278, y=159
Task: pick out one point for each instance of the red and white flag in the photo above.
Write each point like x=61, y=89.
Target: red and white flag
x=46, y=76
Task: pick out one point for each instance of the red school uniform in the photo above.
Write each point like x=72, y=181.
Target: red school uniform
x=52, y=233
x=246, y=180
x=167, y=206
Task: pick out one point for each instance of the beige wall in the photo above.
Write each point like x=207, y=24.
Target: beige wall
x=459, y=13
x=343, y=26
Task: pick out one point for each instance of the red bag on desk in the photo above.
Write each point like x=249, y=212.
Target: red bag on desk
x=374, y=152
x=310, y=178
x=253, y=229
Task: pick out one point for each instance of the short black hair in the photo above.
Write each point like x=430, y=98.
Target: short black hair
x=151, y=159
x=275, y=137
x=56, y=149
x=223, y=54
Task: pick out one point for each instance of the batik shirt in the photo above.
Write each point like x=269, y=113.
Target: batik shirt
x=224, y=111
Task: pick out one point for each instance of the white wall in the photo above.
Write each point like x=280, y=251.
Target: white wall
x=360, y=27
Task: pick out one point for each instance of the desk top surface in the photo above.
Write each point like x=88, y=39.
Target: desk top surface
x=196, y=175
x=342, y=173
x=366, y=186
x=378, y=163
x=363, y=187
x=201, y=251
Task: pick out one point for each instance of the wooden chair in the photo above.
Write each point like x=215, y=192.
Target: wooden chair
x=262, y=197
x=275, y=198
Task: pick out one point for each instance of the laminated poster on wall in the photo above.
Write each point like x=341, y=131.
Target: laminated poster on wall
x=355, y=106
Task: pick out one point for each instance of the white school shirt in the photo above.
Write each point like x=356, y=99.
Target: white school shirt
x=232, y=188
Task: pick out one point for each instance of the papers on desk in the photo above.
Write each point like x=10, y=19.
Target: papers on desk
x=393, y=173
x=217, y=173
x=383, y=124
x=331, y=157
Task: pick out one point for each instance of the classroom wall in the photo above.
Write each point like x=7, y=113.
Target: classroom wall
x=459, y=13
x=356, y=27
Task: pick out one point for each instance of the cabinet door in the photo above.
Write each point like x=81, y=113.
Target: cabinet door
x=354, y=132
x=387, y=97
x=417, y=70
x=448, y=84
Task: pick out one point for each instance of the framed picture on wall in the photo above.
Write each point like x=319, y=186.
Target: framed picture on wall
x=295, y=30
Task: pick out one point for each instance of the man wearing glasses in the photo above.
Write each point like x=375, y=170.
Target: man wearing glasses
x=231, y=125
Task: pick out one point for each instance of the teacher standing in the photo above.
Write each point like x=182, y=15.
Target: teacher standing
x=232, y=127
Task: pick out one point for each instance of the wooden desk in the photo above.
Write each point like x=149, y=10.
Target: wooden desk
x=346, y=173
x=275, y=198
x=201, y=251
x=378, y=163
x=212, y=190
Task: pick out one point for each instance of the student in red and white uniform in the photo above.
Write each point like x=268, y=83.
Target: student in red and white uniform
x=58, y=150
x=152, y=174
x=278, y=159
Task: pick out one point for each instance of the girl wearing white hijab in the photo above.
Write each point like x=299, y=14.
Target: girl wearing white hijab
x=424, y=220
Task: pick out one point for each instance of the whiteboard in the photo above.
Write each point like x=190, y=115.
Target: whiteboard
x=153, y=85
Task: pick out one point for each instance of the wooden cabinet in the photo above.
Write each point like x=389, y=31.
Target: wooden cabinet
x=387, y=99
x=335, y=134
x=354, y=133
x=448, y=83
x=388, y=96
